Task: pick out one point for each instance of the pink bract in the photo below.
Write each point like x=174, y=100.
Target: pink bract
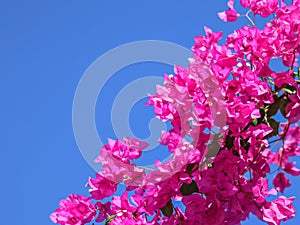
x=75, y=210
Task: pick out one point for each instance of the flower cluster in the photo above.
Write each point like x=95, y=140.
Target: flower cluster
x=224, y=109
x=75, y=210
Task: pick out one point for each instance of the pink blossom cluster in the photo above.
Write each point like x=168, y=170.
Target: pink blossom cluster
x=229, y=86
x=76, y=209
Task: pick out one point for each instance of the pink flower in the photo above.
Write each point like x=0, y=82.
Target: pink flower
x=126, y=150
x=195, y=207
x=115, y=169
x=204, y=44
x=128, y=221
x=281, y=182
x=214, y=213
x=177, y=218
x=293, y=107
x=283, y=78
x=104, y=211
x=261, y=190
x=293, y=114
x=121, y=204
x=75, y=210
x=261, y=7
x=123, y=211
x=281, y=209
x=229, y=15
x=101, y=187
x=292, y=141
x=171, y=139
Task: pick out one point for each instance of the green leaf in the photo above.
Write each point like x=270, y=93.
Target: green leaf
x=134, y=215
x=262, y=111
x=275, y=126
x=283, y=102
x=109, y=219
x=190, y=167
x=167, y=210
x=188, y=189
x=295, y=74
x=254, y=122
x=229, y=140
x=235, y=152
x=273, y=108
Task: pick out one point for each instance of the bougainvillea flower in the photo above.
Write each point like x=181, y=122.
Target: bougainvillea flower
x=75, y=210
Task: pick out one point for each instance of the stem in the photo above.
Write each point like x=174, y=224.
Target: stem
x=145, y=168
x=279, y=139
x=248, y=17
x=283, y=150
x=294, y=58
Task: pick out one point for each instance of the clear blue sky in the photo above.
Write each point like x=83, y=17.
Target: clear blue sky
x=45, y=48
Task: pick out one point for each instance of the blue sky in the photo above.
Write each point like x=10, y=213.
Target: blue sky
x=46, y=46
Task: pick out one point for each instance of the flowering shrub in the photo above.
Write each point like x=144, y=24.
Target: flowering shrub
x=223, y=182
